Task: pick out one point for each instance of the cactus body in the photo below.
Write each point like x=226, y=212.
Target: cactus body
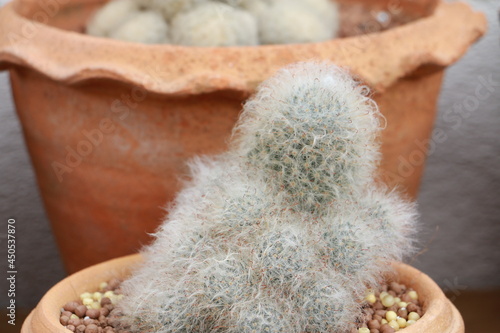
x=284, y=232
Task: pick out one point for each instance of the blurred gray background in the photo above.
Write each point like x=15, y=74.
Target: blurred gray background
x=459, y=199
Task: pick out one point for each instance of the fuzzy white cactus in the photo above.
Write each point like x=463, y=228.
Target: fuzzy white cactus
x=217, y=22
x=294, y=21
x=245, y=250
x=111, y=16
x=214, y=24
x=146, y=27
x=169, y=8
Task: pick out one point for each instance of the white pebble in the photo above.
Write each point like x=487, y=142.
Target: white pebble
x=394, y=325
x=97, y=296
x=401, y=322
x=371, y=298
x=95, y=305
x=413, y=316
x=85, y=295
x=87, y=301
x=410, y=322
x=402, y=305
x=391, y=315
x=388, y=301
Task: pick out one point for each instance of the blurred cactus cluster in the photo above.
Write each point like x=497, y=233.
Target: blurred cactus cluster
x=217, y=22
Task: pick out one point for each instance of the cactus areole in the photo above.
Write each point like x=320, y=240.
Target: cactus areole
x=285, y=231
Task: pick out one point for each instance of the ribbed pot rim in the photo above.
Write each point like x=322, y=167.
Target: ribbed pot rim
x=378, y=59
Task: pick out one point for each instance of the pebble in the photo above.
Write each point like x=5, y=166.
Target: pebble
x=401, y=322
x=394, y=325
x=95, y=312
x=64, y=320
x=70, y=306
x=413, y=316
x=388, y=301
x=75, y=322
x=80, y=311
x=386, y=329
x=390, y=316
x=394, y=308
x=374, y=324
x=403, y=313
x=92, y=328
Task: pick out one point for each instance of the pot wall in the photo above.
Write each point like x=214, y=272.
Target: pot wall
x=106, y=164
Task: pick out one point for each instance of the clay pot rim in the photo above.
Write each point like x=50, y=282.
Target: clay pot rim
x=378, y=59
x=440, y=314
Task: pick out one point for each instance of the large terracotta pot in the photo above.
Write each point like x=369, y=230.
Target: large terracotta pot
x=440, y=315
x=109, y=124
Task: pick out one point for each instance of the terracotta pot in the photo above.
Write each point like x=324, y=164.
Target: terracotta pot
x=109, y=124
x=440, y=315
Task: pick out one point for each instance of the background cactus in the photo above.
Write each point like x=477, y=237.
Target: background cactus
x=287, y=230
x=294, y=21
x=214, y=24
x=217, y=22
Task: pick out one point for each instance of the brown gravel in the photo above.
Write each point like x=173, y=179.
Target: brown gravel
x=103, y=320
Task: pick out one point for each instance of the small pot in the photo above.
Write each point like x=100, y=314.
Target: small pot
x=109, y=125
x=440, y=315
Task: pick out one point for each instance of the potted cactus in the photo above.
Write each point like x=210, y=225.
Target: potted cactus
x=284, y=232
x=287, y=230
